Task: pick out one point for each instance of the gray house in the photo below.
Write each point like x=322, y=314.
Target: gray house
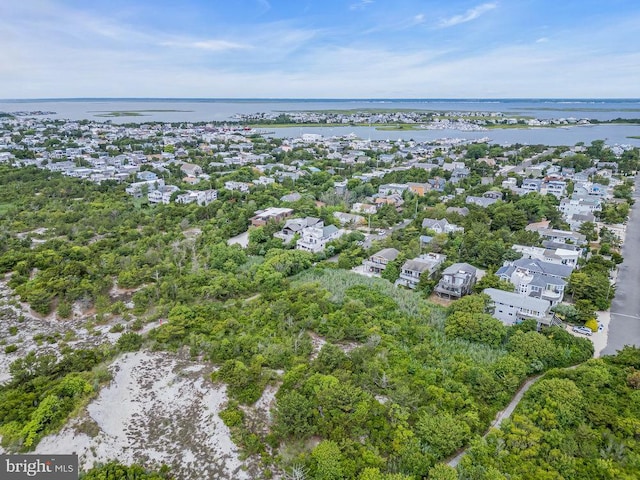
x=458, y=280
x=412, y=270
x=377, y=262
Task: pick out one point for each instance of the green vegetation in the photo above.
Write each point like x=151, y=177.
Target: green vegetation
x=131, y=113
x=43, y=393
x=580, y=423
x=116, y=471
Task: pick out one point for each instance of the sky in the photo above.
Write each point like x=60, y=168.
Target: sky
x=320, y=48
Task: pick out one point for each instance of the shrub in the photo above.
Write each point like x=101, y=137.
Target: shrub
x=129, y=342
x=592, y=323
x=10, y=348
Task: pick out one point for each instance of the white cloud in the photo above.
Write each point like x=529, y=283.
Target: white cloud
x=542, y=40
x=467, y=16
x=209, y=45
x=360, y=5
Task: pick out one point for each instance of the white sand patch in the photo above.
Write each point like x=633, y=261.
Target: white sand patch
x=158, y=409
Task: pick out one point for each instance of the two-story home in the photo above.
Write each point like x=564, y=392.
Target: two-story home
x=201, y=197
x=458, y=280
x=413, y=270
x=295, y=226
x=391, y=188
x=530, y=185
x=377, y=262
x=537, y=279
x=237, y=186
x=314, y=239
x=512, y=308
x=579, y=205
x=162, y=194
x=441, y=226
x=562, y=254
x=557, y=188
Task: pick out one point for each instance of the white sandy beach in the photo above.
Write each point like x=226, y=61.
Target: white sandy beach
x=158, y=409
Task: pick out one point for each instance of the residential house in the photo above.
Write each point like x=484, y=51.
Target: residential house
x=137, y=189
x=295, y=226
x=563, y=254
x=437, y=183
x=391, y=188
x=441, y=226
x=557, y=188
x=237, y=186
x=530, y=185
x=291, y=197
x=579, y=205
x=340, y=187
x=576, y=220
x=511, y=308
x=272, y=214
x=162, y=194
x=412, y=270
x=458, y=280
x=562, y=236
x=482, y=202
x=377, y=262
x=191, y=169
x=349, y=218
x=201, y=197
x=419, y=189
x=264, y=181
x=392, y=199
x=462, y=211
x=365, y=208
x=314, y=239
x=459, y=174
x=537, y=279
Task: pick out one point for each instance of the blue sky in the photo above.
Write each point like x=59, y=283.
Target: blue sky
x=320, y=48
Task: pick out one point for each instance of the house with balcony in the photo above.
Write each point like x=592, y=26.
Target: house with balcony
x=557, y=188
x=530, y=185
x=413, y=270
x=562, y=254
x=458, y=280
x=314, y=239
x=441, y=226
x=162, y=194
x=377, y=262
x=392, y=188
x=201, y=197
x=295, y=226
x=512, y=308
x=536, y=279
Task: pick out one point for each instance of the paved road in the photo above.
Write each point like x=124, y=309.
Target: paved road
x=624, y=328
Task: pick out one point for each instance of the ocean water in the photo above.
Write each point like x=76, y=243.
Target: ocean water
x=198, y=110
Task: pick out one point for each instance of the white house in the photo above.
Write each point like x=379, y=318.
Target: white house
x=314, y=239
x=441, y=226
x=511, y=308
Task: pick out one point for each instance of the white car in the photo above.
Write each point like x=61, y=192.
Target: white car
x=583, y=330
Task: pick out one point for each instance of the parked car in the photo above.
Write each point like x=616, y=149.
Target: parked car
x=583, y=330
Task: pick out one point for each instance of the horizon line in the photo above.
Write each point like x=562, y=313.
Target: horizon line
x=339, y=99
